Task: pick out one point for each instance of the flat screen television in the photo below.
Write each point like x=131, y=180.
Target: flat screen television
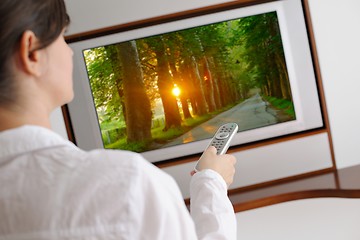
x=163, y=89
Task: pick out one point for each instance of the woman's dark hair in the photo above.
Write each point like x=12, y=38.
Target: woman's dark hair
x=46, y=18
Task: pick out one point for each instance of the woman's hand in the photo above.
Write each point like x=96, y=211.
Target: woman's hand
x=222, y=164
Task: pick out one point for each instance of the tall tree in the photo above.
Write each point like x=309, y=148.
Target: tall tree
x=137, y=104
x=175, y=45
x=166, y=85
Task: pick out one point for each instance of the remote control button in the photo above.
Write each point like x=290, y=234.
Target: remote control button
x=222, y=135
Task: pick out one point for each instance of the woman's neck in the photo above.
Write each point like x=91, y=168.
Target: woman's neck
x=17, y=116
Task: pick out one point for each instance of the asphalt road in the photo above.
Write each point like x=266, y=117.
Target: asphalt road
x=250, y=114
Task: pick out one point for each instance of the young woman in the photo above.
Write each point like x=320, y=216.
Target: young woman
x=50, y=189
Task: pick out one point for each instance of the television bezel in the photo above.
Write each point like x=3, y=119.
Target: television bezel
x=298, y=55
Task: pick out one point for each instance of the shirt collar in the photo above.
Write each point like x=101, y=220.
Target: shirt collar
x=28, y=138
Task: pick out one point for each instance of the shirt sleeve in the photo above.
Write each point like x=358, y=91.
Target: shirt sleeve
x=211, y=208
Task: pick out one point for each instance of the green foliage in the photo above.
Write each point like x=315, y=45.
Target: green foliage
x=103, y=84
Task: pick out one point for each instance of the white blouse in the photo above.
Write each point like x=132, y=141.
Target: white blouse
x=51, y=189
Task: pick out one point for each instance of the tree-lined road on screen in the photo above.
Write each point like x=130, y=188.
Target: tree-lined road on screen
x=252, y=113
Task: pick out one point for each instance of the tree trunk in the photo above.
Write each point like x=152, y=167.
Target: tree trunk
x=166, y=84
x=137, y=104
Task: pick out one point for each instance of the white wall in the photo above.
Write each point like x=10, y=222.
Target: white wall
x=337, y=35
x=92, y=14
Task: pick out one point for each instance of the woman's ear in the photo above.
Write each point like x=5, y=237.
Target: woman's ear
x=30, y=56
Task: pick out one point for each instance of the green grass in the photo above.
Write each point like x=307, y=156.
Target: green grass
x=122, y=144
x=282, y=104
x=161, y=136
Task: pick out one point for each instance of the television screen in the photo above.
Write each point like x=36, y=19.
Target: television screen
x=179, y=87
x=164, y=90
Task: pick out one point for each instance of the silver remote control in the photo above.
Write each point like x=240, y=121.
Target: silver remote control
x=222, y=138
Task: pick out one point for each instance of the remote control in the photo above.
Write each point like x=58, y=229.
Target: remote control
x=222, y=138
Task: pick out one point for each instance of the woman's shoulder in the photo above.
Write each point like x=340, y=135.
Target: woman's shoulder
x=118, y=159
x=124, y=163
